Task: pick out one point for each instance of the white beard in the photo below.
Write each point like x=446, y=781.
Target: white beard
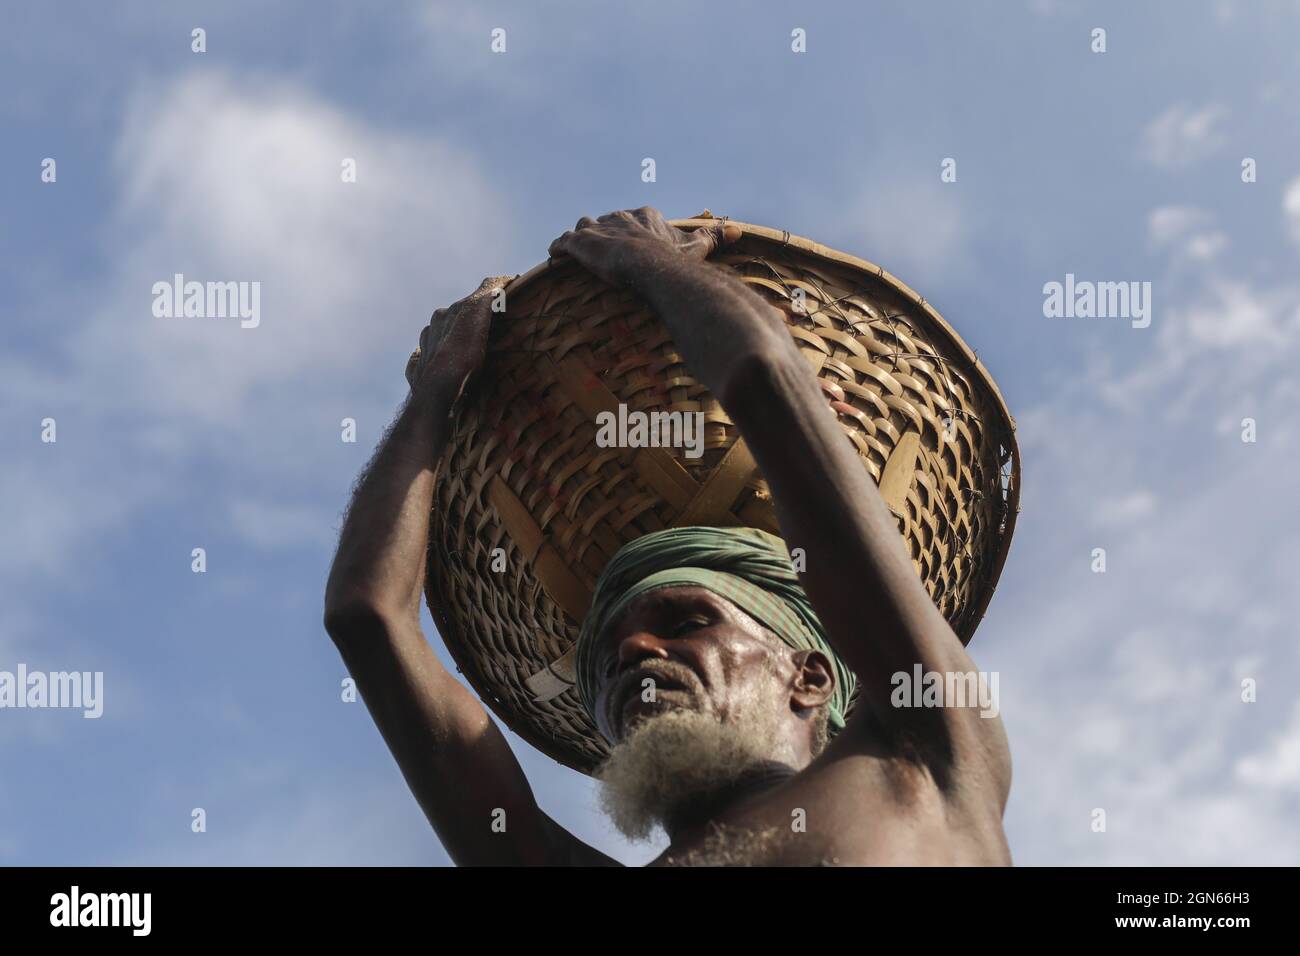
x=680, y=758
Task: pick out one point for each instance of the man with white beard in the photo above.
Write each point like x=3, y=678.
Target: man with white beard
x=720, y=676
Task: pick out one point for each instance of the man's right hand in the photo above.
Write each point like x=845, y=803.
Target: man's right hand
x=454, y=342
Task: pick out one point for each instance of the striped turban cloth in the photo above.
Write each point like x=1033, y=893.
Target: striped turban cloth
x=748, y=567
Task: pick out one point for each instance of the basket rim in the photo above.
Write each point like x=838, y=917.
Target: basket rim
x=558, y=749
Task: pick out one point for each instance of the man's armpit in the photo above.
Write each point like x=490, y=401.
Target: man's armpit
x=568, y=850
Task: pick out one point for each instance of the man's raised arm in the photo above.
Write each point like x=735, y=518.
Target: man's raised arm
x=455, y=760
x=859, y=576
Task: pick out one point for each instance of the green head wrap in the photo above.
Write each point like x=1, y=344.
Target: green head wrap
x=748, y=567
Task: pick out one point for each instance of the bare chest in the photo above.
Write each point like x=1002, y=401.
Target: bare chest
x=853, y=816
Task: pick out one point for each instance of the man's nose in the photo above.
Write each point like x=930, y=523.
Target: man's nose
x=639, y=645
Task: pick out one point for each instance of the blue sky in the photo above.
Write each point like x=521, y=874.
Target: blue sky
x=1120, y=691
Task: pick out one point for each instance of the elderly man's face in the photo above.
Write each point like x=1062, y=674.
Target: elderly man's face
x=702, y=653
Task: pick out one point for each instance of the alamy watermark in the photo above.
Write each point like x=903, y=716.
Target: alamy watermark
x=208, y=300
x=83, y=690
x=922, y=688
x=75, y=908
x=1098, y=300
x=651, y=430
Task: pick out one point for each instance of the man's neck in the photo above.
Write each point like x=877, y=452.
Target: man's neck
x=692, y=823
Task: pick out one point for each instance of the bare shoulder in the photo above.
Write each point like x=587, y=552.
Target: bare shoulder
x=871, y=805
x=964, y=771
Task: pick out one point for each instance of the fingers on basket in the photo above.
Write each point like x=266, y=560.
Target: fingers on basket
x=642, y=214
x=412, y=364
x=492, y=283
x=477, y=303
x=560, y=246
x=716, y=235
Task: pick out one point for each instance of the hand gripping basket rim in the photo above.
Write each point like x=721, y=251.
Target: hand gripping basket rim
x=460, y=649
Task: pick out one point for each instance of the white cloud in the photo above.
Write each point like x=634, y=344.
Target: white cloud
x=1186, y=231
x=228, y=179
x=1134, y=506
x=1277, y=763
x=50, y=506
x=1210, y=330
x=1122, y=690
x=225, y=180
x=1182, y=135
x=1291, y=208
x=1234, y=314
x=1170, y=223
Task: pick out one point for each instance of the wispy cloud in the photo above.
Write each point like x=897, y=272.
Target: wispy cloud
x=1183, y=135
x=1186, y=231
x=230, y=179
x=1123, y=689
x=236, y=180
x=1291, y=208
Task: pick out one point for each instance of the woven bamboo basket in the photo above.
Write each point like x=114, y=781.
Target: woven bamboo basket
x=528, y=509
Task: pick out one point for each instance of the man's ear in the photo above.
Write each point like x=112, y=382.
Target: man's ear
x=814, y=681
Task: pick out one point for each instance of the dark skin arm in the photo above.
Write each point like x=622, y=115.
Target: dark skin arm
x=454, y=758
x=826, y=503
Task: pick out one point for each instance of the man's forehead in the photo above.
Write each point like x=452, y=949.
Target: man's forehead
x=669, y=598
x=673, y=594
x=676, y=599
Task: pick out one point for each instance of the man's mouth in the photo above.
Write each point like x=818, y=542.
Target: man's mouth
x=629, y=696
